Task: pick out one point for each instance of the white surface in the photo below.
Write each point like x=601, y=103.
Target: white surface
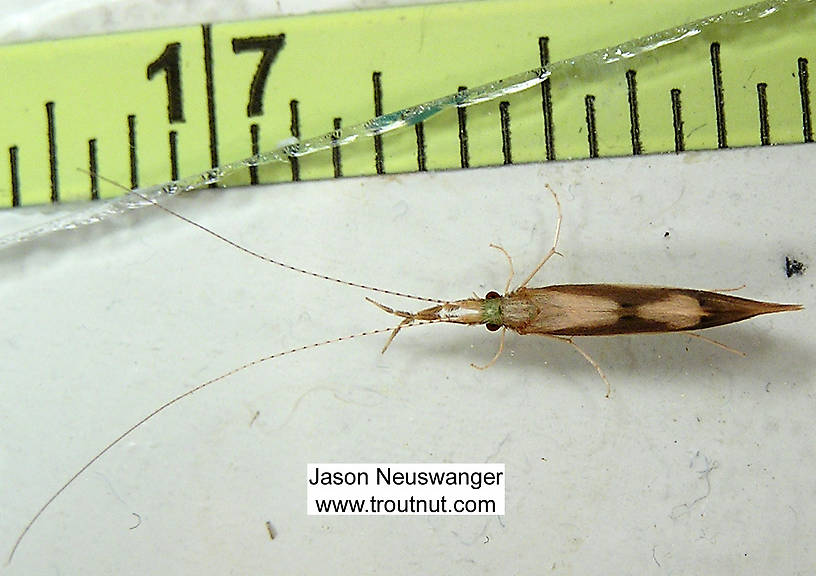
x=700, y=461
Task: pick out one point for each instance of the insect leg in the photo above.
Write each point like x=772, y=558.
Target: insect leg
x=587, y=357
x=384, y=308
x=394, y=332
x=496, y=357
x=554, y=249
x=510, y=263
x=735, y=289
x=712, y=341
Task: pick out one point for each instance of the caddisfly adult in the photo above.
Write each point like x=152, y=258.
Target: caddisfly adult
x=561, y=312
x=565, y=311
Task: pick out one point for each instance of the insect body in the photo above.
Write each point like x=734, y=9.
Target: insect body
x=565, y=311
x=598, y=310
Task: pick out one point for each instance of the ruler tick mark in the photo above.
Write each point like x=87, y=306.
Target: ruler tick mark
x=764, y=127
x=379, y=161
x=253, y=137
x=52, y=151
x=677, y=121
x=719, y=94
x=15, y=177
x=634, y=116
x=337, y=161
x=592, y=134
x=464, y=152
x=504, y=117
x=294, y=130
x=93, y=169
x=546, y=98
x=172, y=138
x=804, y=96
x=419, y=128
x=206, y=34
x=134, y=167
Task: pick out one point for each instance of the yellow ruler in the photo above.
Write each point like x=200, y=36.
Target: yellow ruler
x=143, y=108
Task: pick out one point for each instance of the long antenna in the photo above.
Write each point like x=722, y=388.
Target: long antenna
x=176, y=399
x=261, y=256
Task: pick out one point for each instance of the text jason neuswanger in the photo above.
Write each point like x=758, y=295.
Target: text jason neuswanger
x=387, y=477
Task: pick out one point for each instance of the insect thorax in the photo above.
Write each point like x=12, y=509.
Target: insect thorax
x=492, y=312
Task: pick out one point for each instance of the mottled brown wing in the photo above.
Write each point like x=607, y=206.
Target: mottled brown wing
x=608, y=309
